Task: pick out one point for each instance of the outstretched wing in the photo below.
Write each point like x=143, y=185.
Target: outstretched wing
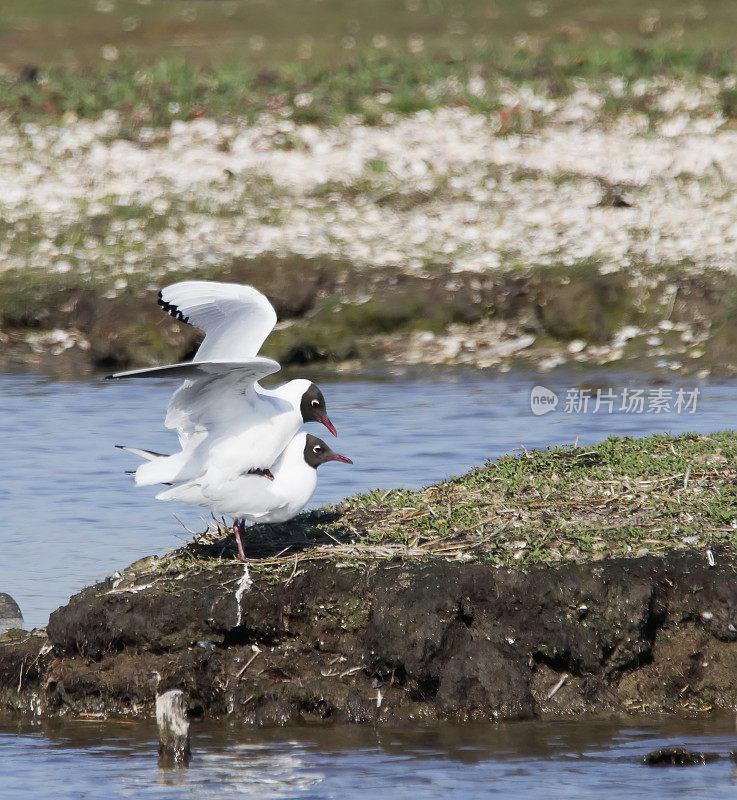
x=236, y=319
x=219, y=390
x=251, y=369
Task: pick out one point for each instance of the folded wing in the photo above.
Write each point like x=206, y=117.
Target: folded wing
x=251, y=496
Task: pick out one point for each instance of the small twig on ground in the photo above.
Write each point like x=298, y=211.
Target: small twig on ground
x=337, y=541
x=350, y=671
x=551, y=694
x=189, y=530
x=257, y=650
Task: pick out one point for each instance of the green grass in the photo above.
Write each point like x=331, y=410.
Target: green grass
x=322, y=59
x=156, y=92
x=568, y=503
x=621, y=497
x=266, y=32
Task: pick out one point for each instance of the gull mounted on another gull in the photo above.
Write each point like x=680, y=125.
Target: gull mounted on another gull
x=226, y=422
x=245, y=496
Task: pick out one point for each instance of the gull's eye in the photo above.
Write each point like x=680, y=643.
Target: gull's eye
x=316, y=448
x=315, y=403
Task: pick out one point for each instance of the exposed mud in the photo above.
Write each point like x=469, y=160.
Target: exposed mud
x=393, y=640
x=337, y=314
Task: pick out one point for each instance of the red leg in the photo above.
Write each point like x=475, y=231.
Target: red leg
x=239, y=529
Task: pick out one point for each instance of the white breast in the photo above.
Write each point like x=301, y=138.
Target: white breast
x=261, y=500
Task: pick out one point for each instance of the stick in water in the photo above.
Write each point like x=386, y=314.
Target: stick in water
x=173, y=729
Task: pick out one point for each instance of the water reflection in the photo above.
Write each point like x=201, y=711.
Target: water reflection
x=539, y=760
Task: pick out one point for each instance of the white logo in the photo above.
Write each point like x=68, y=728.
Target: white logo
x=542, y=400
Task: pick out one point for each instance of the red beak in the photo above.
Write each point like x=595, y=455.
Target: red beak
x=338, y=457
x=329, y=425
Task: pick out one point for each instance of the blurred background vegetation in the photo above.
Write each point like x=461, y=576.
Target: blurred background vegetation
x=164, y=59
x=589, y=237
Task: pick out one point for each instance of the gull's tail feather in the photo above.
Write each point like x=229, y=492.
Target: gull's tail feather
x=170, y=469
x=147, y=455
x=157, y=469
x=190, y=492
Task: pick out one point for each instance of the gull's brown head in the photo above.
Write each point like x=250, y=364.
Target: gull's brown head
x=316, y=452
x=313, y=408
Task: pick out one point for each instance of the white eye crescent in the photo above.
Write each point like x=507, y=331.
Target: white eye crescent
x=316, y=448
x=315, y=402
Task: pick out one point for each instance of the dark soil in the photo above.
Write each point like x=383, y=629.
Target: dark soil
x=389, y=640
x=334, y=312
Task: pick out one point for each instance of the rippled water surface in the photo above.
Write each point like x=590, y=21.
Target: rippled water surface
x=71, y=516
x=558, y=760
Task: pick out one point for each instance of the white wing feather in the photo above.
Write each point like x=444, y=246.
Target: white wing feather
x=252, y=369
x=219, y=411
x=236, y=319
x=207, y=404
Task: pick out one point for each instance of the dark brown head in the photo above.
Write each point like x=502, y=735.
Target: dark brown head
x=313, y=408
x=317, y=452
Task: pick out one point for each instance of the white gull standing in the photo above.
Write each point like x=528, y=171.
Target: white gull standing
x=245, y=496
x=226, y=422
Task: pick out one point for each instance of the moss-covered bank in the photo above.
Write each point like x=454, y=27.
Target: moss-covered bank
x=404, y=606
x=340, y=315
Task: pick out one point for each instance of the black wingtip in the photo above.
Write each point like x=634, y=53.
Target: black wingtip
x=171, y=309
x=120, y=446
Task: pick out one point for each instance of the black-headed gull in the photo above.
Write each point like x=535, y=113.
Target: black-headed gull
x=225, y=420
x=245, y=496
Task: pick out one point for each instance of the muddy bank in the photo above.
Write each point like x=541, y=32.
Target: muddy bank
x=566, y=580
x=342, y=317
x=388, y=640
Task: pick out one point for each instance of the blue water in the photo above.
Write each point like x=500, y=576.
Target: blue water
x=70, y=516
x=551, y=760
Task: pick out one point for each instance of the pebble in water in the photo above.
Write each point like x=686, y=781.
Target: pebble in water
x=10, y=614
x=677, y=757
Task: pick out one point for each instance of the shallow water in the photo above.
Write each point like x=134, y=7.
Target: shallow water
x=561, y=759
x=70, y=515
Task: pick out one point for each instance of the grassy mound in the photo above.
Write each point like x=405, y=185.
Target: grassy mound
x=621, y=497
